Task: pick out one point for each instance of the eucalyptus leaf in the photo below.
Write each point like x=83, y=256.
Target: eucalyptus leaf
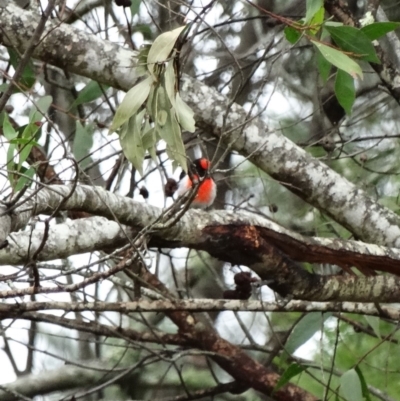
x=345, y=91
x=339, y=59
x=377, y=29
x=40, y=109
x=83, y=142
x=133, y=100
x=305, y=329
x=8, y=130
x=92, y=91
x=350, y=386
x=169, y=82
x=25, y=179
x=293, y=370
x=292, y=35
x=131, y=142
x=312, y=7
x=162, y=47
x=355, y=41
x=184, y=114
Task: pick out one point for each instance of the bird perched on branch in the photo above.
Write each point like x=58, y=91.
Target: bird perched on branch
x=198, y=174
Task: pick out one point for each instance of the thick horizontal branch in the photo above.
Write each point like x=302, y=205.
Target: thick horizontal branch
x=196, y=305
x=239, y=238
x=85, y=54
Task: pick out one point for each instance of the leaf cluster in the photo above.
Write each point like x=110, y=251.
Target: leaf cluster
x=153, y=109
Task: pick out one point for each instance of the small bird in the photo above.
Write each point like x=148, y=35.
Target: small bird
x=199, y=171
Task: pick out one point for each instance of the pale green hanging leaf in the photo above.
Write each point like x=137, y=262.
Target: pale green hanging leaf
x=350, y=386
x=339, y=59
x=149, y=140
x=133, y=100
x=162, y=47
x=169, y=81
x=131, y=142
x=83, y=142
x=184, y=114
x=141, y=66
x=40, y=109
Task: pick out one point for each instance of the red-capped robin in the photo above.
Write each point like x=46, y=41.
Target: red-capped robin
x=199, y=171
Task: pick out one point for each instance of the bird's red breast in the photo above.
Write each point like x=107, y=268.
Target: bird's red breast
x=207, y=190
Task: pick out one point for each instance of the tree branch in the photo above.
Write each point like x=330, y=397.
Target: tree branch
x=85, y=54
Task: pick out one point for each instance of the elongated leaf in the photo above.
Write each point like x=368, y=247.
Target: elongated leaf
x=185, y=115
x=40, y=109
x=28, y=77
x=90, y=92
x=355, y=41
x=11, y=163
x=131, y=142
x=364, y=387
x=135, y=6
x=8, y=130
x=345, y=91
x=324, y=66
x=377, y=29
x=350, y=386
x=169, y=82
x=374, y=322
x=305, y=329
x=312, y=7
x=25, y=179
x=162, y=47
x=293, y=370
x=339, y=59
x=133, y=100
x=83, y=142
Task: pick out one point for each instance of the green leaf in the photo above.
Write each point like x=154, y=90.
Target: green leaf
x=293, y=370
x=131, y=142
x=40, y=109
x=292, y=35
x=11, y=163
x=169, y=82
x=135, y=6
x=350, y=386
x=312, y=7
x=133, y=100
x=324, y=66
x=26, y=179
x=305, y=329
x=374, y=322
x=162, y=47
x=83, y=142
x=377, y=29
x=355, y=41
x=171, y=134
x=339, y=59
x=185, y=115
x=8, y=131
x=364, y=387
x=28, y=77
x=92, y=91
x=345, y=91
